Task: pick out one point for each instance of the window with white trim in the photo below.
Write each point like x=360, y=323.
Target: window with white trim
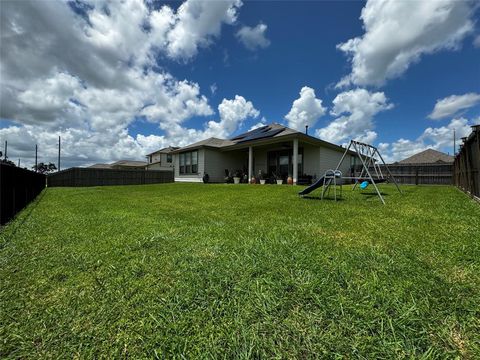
x=188, y=162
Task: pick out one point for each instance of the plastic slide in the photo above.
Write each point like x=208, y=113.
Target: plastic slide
x=312, y=187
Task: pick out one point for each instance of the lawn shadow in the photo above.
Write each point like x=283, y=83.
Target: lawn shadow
x=25, y=214
x=309, y=197
x=374, y=193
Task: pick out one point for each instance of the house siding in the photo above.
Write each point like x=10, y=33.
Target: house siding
x=159, y=161
x=259, y=161
x=317, y=160
x=190, y=177
x=216, y=162
x=311, y=160
x=329, y=160
x=158, y=166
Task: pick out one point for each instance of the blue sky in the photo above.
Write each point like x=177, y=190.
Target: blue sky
x=121, y=79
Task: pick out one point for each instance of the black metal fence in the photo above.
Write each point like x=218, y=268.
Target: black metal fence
x=467, y=164
x=100, y=177
x=18, y=187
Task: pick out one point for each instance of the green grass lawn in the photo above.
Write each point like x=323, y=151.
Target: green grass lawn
x=237, y=271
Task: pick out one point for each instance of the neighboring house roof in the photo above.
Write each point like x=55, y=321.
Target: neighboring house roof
x=210, y=142
x=120, y=163
x=166, y=150
x=100, y=166
x=128, y=163
x=262, y=134
x=428, y=156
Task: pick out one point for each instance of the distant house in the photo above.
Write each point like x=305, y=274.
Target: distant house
x=270, y=149
x=428, y=156
x=161, y=159
x=121, y=164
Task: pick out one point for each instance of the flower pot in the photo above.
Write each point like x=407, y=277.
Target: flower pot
x=262, y=182
x=253, y=180
x=279, y=182
x=236, y=180
x=290, y=180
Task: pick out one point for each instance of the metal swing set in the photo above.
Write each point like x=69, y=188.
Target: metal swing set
x=367, y=154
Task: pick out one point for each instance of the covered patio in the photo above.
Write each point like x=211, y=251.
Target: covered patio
x=279, y=159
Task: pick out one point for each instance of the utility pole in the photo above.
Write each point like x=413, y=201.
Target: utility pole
x=5, y=153
x=18, y=162
x=36, y=157
x=59, y=144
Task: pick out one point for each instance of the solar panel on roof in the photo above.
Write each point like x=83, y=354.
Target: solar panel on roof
x=262, y=135
x=253, y=132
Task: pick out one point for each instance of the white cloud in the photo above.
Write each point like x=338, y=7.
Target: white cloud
x=109, y=141
x=196, y=23
x=440, y=138
x=89, y=77
x=173, y=101
x=360, y=107
x=213, y=88
x=78, y=146
x=179, y=34
x=306, y=110
x=261, y=123
x=451, y=105
x=398, y=33
x=232, y=114
x=476, y=41
x=40, y=39
x=253, y=38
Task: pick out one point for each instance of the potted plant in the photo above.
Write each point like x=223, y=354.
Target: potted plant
x=290, y=180
x=261, y=177
x=278, y=178
x=237, y=177
x=228, y=177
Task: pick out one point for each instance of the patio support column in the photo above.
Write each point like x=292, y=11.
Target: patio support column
x=295, y=161
x=250, y=163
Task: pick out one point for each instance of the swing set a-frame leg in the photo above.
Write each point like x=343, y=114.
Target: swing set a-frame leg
x=389, y=173
x=373, y=182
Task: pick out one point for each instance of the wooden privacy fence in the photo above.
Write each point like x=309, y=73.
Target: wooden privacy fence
x=467, y=164
x=100, y=177
x=18, y=187
x=419, y=174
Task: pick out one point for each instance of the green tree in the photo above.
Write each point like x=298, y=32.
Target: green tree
x=44, y=168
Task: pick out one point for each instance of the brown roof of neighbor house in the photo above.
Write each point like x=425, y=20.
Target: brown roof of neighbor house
x=166, y=150
x=428, y=156
x=133, y=163
x=210, y=142
x=120, y=163
x=100, y=166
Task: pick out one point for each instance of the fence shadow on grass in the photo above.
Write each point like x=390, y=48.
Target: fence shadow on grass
x=25, y=213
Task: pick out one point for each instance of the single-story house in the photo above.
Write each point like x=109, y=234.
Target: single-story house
x=121, y=165
x=428, y=156
x=161, y=159
x=271, y=150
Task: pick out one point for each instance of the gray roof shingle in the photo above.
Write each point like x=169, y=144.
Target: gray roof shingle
x=428, y=156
